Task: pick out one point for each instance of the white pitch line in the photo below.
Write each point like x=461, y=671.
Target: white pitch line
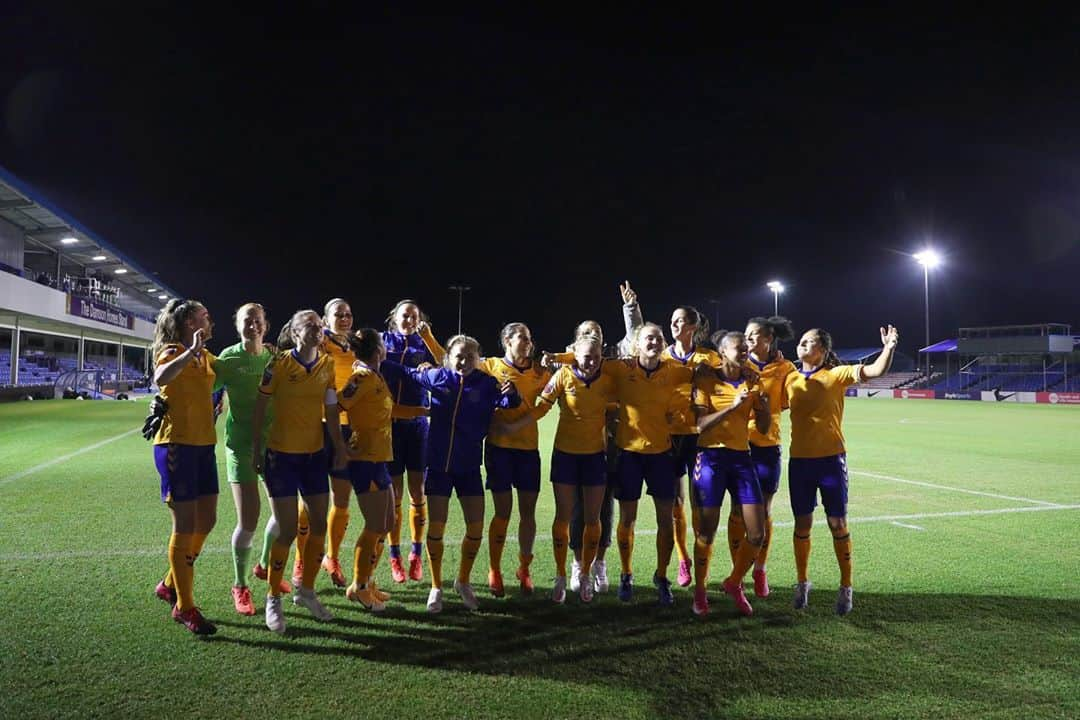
x=953, y=489
x=905, y=525
x=63, y=458
x=162, y=552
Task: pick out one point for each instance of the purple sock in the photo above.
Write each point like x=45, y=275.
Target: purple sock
x=417, y=548
x=395, y=551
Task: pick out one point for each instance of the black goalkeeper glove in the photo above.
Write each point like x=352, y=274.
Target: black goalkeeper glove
x=158, y=408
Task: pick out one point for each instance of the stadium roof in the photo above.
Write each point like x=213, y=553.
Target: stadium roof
x=45, y=224
x=850, y=355
x=940, y=347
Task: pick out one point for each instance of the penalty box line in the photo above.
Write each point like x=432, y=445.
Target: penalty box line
x=510, y=540
x=950, y=488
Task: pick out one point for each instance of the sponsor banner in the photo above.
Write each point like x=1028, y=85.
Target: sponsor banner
x=851, y=392
x=914, y=394
x=1009, y=396
x=876, y=394
x=93, y=310
x=1058, y=398
x=962, y=395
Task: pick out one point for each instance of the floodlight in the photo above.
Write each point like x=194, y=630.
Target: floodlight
x=775, y=285
x=119, y=271
x=928, y=258
x=99, y=257
x=69, y=240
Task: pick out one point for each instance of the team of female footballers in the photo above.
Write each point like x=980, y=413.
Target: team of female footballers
x=332, y=412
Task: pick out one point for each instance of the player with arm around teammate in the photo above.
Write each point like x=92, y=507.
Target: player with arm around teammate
x=463, y=402
x=647, y=392
x=689, y=328
x=368, y=402
x=337, y=324
x=763, y=336
x=725, y=402
x=303, y=387
x=578, y=460
x=818, y=459
x=238, y=369
x=406, y=339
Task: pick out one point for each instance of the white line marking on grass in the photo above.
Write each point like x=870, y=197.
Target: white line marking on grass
x=63, y=458
x=162, y=552
x=905, y=525
x=890, y=478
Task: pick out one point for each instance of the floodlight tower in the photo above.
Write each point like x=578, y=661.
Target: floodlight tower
x=715, y=302
x=929, y=259
x=460, y=290
x=777, y=287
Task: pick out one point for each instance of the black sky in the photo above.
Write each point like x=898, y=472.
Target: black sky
x=543, y=158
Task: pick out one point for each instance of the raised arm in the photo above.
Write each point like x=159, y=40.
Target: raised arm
x=889, y=338
x=437, y=351
x=167, y=371
x=632, y=318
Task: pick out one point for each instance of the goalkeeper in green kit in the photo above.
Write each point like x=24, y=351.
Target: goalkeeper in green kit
x=239, y=369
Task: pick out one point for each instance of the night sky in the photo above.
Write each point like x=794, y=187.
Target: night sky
x=542, y=159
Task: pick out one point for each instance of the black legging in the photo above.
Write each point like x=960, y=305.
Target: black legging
x=607, y=510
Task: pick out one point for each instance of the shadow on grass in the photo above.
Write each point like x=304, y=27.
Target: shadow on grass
x=952, y=648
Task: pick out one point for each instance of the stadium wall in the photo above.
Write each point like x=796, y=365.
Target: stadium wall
x=1042, y=398
x=34, y=300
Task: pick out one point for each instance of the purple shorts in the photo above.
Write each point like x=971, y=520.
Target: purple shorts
x=806, y=476
x=508, y=468
x=410, y=438
x=187, y=472
x=367, y=476
x=685, y=450
x=767, y=463
x=584, y=470
x=723, y=469
x=657, y=470
x=286, y=474
x=441, y=483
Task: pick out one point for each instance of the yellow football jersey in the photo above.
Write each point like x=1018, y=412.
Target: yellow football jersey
x=816, y=400
x=772, y=386
x=366, y=399
x=713, y=394
x=582, y=409
x=646, y=398
x=684, y=423
x=190, y=417
x=339, y=351
x=300, y=395
x=529, y=383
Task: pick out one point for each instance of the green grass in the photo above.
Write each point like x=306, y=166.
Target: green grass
x=973, y=612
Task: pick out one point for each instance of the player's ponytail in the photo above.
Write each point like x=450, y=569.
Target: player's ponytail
x=391, y=317
x=699, y=321
x=365, y=343
x=824, y=339
x=169, y=326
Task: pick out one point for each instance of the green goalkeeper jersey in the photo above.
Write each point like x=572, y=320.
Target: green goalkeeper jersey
x=239, y=372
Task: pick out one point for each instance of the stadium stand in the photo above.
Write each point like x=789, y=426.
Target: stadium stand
x=70, y=303
x=1016, y=358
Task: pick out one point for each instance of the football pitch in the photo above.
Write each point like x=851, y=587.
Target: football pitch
x=964, y=518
